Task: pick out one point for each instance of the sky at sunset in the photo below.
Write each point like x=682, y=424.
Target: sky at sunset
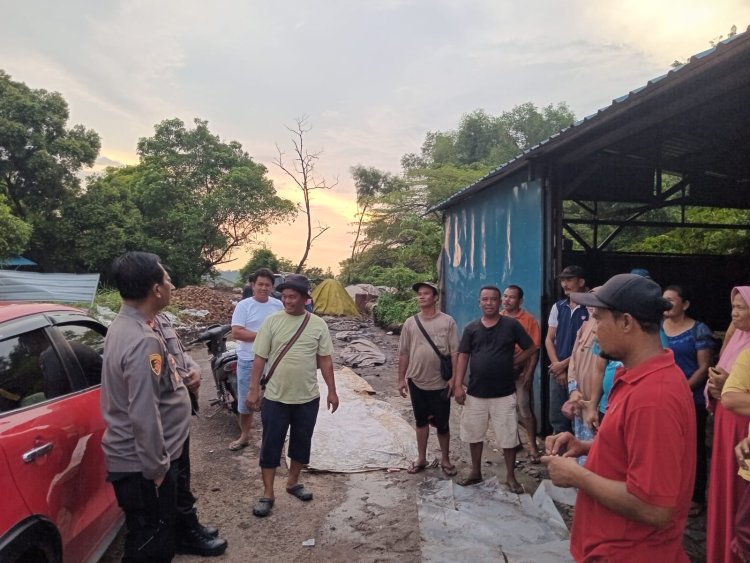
x=373, y=77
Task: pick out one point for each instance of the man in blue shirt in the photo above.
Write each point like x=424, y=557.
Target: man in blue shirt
x=565, y=318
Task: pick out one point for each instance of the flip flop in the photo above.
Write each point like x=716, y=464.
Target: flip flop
x=263, y=507
x=416, y=467
x=237, y=446
x=533, y=458
x=300, y=492
x=449, y=470
x=466, y=481
x=515, y=487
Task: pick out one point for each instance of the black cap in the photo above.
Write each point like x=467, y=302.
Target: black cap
x=572, y=272
x=431, y=285
x=297, y=282
x=628, y=293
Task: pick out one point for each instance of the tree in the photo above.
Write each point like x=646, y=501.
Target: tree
x=14, y=232
x=201, y=198
x=370, y=183
x=39, y=159
x=261, y=258
x=102, y=222
x=398, y=230
x=302, y=172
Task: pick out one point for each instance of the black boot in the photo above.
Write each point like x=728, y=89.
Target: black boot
x=208, y=531
x=193, y=540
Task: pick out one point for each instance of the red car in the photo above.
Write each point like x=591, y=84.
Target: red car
x=56, y=504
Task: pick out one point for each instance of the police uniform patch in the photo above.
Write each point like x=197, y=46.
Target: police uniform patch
x=154, y=360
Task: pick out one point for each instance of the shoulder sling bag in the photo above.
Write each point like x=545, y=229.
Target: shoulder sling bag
x=292, y=340
x=446, y=365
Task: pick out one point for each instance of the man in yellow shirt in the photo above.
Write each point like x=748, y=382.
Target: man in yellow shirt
x=292, y=396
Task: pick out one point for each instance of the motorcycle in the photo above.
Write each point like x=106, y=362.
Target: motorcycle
x=223, y=366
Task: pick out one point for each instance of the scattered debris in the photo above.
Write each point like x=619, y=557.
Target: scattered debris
x=348, y=335
x=309, y=543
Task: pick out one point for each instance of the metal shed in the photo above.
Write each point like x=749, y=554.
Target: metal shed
x=515, y=224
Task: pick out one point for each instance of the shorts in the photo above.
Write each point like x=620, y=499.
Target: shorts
x=430, y=407
x=244, y=370
x=477, y=414
x=277, y=419
x=524, y=400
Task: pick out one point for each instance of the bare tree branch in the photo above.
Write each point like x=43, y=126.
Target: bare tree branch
x=302, y=171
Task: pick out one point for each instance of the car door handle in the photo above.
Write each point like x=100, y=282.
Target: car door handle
x=36, y=452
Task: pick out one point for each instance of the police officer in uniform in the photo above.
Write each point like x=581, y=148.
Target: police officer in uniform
x=146, y=407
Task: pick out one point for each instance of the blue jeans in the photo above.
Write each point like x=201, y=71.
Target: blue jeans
x=244, y=369
x=558, y=394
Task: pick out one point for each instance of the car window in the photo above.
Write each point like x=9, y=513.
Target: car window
x=88, y=346
x=30, y=371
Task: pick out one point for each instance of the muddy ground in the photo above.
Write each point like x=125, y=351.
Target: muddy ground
x=356, y=517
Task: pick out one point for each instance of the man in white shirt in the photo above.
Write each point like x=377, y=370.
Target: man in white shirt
x=246, y=320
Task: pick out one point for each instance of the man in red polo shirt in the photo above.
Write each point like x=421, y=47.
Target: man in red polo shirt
x=634, y=490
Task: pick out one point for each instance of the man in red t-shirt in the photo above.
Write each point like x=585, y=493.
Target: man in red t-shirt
x=635, y=488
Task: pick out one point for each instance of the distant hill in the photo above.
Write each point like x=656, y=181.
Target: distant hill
x=229, y=276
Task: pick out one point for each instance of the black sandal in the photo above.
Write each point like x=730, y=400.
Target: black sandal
x=263, y=507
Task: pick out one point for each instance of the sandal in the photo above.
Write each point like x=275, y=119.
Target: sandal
x=237, y=446
x=419, y=467
x=449, y=470
x=515, y=487
x=533, y=457
x=469, y=480
x=300, y=492
x=263, y=507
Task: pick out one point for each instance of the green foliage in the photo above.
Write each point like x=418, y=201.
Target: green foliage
x=14, y=232
x=698, y=241
x=394, y=229
x=102, y=223
x=109, y=298
x=265, y=258
x=39, y=160
x=201, y=198
x=490, y=140
x=668, y=240
x=192, y=200
x=399, y=277
x=261, y=258
x=392, y=311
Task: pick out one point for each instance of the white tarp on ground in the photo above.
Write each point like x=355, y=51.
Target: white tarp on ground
x=485, y=522
x=364, y=434
x=33, y=286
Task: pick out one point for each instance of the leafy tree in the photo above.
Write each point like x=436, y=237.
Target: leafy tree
x=265, y=258
x=101, y=223
x=201, y=198
x=402, y=241
x=261, y=258
x=40, y=158
x=14, y=232
x=370, y=183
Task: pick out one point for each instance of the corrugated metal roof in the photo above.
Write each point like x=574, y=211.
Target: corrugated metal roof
x=16, y=261
x=560, y=137
x=33, y=286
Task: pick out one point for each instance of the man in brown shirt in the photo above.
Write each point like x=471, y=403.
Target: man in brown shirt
x=419, y=373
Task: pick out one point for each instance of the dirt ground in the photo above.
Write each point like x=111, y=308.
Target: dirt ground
x=368, y=517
